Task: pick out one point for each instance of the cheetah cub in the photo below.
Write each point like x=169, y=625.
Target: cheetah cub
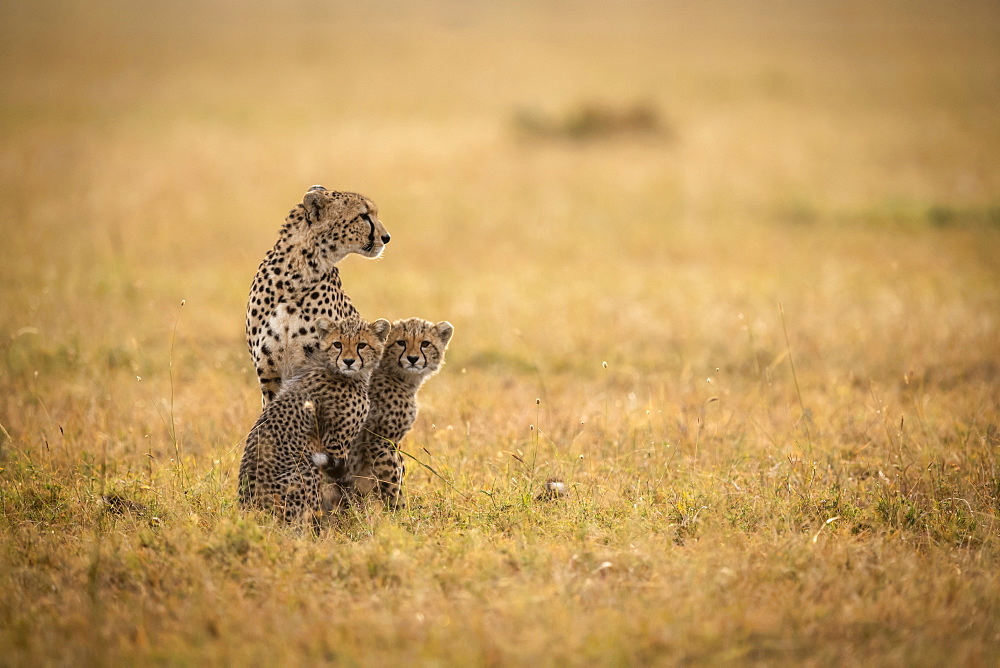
x=315, y=417
x=414, y=352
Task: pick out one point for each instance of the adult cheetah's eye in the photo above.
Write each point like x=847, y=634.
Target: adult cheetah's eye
x=401, y=342
x=362, y=345
x=424, y=344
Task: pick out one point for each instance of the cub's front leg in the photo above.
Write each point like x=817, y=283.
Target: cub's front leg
x=339, y=432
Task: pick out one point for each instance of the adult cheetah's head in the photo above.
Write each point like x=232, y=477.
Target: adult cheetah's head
x=336, y=224
x=352, y=346
x=416, y=347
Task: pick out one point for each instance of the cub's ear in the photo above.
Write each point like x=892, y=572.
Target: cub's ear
x=380, y=328
x=314, y=201
x=324, y=326
x=444, y=330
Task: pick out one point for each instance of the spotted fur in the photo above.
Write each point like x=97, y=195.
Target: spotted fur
x=315, y=417
x=298, y=281
x=414, y=352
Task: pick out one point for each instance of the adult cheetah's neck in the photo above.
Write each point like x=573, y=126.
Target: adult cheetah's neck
x=305, y=256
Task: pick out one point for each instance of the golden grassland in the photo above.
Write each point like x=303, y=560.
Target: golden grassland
x=760, y=345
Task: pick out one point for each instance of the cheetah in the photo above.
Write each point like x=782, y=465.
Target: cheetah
x=300, y=443
x=414, y=352
x=298, y=281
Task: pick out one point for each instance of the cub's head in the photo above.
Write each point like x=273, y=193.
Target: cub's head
x=415, y=347
x=335, y=224
x=353, y=346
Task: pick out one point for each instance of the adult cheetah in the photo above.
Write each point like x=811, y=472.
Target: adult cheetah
x=295, y=456
x=414, y=352
x=298, y=281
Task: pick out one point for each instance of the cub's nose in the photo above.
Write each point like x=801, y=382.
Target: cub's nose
x=349, y=363
x=412, y=358
x=385, y=238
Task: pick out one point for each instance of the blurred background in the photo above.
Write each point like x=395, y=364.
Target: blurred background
x=637, y=215
x=569, y=183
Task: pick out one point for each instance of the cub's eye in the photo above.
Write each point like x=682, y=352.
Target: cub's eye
x=337, y=345
x=362, y=345
x=424, y=344
x=401, y=342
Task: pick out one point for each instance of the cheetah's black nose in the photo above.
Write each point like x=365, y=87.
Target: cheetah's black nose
x=385, y=238
x=348, y=363
x=413, y=358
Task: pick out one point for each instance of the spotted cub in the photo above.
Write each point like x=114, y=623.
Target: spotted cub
x=414, y=352
x=314, y=419
x=298, y=281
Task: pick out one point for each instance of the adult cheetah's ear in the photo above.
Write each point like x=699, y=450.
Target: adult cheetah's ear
x=444, y=330
x=314, y=201
x=380, y=328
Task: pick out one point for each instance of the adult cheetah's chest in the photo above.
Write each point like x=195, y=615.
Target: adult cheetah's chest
x=287, y=330
x=295, y=315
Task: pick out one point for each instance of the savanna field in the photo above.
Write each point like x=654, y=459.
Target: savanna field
x=729, y=271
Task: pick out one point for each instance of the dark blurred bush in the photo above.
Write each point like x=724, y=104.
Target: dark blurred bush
x=593, y=120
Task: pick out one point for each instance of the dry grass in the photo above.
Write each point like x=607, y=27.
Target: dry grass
x=616, y=302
